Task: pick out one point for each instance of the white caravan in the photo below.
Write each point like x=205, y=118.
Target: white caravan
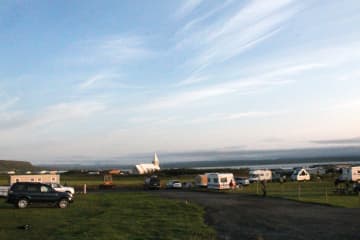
x=300, y=174
x=220, y=180
x=351, y=174
x=260, y=175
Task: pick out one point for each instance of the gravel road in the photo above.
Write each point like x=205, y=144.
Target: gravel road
x=236, y=216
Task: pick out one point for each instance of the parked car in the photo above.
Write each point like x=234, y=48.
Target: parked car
x=242, y=181
x=187, y=185
x=152, y=182
x=173, y=184
x=61, y=188
x=22, y=194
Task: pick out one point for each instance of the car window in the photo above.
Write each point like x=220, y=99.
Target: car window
x=33, y=188
x=44, y=188
x=19, y=187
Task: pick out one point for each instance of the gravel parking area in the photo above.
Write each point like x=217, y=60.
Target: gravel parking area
x=237, y=216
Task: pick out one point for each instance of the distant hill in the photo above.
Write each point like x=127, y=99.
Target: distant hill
x=8, y=165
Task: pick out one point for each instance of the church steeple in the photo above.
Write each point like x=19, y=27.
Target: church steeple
x=156, y=160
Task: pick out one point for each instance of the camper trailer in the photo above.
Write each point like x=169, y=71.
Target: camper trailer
x=201, y=180
x=43, y=178
x=220, y=180
x=351, y=174
x=300, y=174
x=260, y=175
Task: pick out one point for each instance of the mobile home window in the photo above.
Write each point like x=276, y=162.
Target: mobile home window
x=223, y=180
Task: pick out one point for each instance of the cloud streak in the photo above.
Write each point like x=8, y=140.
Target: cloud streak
x=249, y=26
x=355, y=140
x=109, y=50
x=186, y=8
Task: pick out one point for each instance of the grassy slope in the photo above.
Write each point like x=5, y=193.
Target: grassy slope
x=108, y=216
x=7, y=165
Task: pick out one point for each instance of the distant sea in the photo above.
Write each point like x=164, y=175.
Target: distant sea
x=271, y=159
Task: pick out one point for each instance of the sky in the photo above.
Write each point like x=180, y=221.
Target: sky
x=84, y=81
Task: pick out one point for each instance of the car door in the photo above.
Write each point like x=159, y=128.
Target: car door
x=34, y=193
x=48, y=194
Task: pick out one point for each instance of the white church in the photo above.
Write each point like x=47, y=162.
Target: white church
x=145, y=168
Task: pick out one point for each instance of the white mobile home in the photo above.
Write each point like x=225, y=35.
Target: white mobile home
x=300, y=174
x=351, y=174
x=220, y=180
x=45, y=178
x=260, y=175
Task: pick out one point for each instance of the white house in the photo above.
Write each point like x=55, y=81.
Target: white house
x=145, y=168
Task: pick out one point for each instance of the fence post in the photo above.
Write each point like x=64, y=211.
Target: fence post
x=85, y=188
x=326, y=195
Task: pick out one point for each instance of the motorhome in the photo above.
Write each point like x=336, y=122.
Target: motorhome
x=201, y=180
x=300, y=174
x=351, y=174
x=260, y=175
x=220, y=180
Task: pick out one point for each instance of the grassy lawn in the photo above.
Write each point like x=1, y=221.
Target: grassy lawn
x=107, y=216
x=311, y=191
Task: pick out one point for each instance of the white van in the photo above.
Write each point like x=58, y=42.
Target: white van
x=300, y=174
x=260, y=175
x=220, y=180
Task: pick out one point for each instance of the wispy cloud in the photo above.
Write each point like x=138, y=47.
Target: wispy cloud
x=187, y=7
x=110, y=50
x=94, y=80
x=195, y=21
x=250, y=25
x=355, y=140
x=67, y=111
x=235, y=116
x=7, y=103
x=187, y=97
x=192, y=79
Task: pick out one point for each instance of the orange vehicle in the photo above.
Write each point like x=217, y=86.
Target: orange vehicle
x=108, y=182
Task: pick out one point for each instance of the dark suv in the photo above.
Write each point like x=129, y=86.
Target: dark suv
x=24, y=193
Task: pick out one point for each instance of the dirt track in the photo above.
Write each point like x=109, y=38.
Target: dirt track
x=250, y=217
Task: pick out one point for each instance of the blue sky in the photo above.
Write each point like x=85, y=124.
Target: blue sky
x=104, y=80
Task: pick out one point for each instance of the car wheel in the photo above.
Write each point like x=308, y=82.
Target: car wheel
x=22, y=203
x=63, y=203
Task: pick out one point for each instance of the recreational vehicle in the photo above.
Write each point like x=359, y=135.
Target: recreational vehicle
x=300, y=174
x=201, y=180
x=260, y=175
x=42, y=178
x=351, y=174
x=220, y=180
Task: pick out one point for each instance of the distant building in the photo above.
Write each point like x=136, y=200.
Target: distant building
x=145, y=168
x=115, y=171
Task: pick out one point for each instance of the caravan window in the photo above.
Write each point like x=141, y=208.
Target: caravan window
x=223, y=180
x=303, y=173
x=216, y=180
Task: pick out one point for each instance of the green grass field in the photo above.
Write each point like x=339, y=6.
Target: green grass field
x=312, y=191
x=107, y=216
